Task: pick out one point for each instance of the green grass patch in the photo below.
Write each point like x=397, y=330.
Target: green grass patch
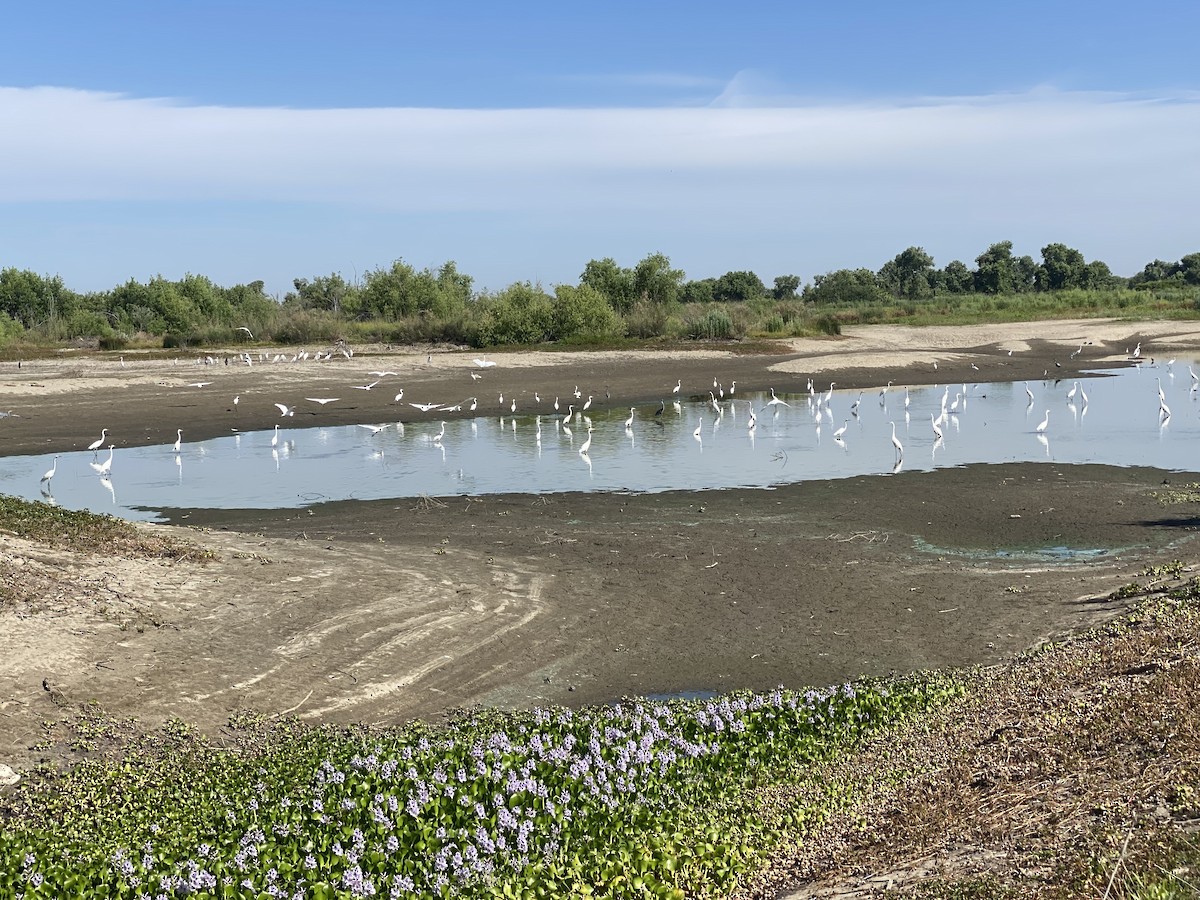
x=87, y=532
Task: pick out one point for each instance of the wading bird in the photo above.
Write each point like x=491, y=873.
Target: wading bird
x=275, y=438
x=1041, y=426
x=323, y=400
x=49, y=475
x=178, y=439
x=285, y=410
x=586, y=445
x=837, y=435
x=95, y=445
x=937, y=431
x=896, y=443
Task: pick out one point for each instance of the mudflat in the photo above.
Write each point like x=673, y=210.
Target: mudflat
x=384, y=611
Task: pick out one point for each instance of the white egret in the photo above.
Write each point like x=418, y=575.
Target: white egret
x=678, y=385
x=483, y=363
x=854, y=405
x=53, y=469
x=200, y=384
x=937, y=431
x=837, y=435
x=105, y=467
x=587, y=405
x=382, y=374
x=236, y=400
x=364, y=387
x=578, y=393
x=699, y=428
x=896, y=443
x=629, y=421
x=1083, y=397
x=285, y=410
x=583, y=448
x=324, y=400
x=1041, y=426
x=570, y=412
x=425, y=407
x=437, y=438
x=775, y=400
x=1028, y=393
x=95, y=445
x=732, y=387
x=178, y=439
x=513, y=406
x=374, y=429
x=474, y=404
x=556, y=404
x=907, y=398
x=1073, y=391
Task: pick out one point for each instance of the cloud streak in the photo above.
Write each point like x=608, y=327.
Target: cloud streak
x=785, y=186
x=78, y=145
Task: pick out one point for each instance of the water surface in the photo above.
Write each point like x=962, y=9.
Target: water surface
x=1121, y=423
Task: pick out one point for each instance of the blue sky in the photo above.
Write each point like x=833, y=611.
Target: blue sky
x=276, y=140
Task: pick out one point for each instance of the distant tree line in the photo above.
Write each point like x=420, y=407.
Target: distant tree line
x=610, y=302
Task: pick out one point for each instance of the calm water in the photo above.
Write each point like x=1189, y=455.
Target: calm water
x=1120, y=424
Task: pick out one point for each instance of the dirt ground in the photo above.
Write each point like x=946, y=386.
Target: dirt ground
x=384, y=611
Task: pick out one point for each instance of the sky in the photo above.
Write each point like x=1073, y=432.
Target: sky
x=276, y=140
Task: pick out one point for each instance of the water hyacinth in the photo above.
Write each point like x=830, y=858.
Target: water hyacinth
x=624, y=798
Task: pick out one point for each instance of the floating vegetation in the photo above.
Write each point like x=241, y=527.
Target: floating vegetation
x=642, y=797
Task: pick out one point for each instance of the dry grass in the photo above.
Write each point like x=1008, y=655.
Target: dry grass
x=1073, y=771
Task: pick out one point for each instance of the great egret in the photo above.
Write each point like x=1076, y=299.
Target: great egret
x=513, y=407
x=437, y=438
x=105, y=467
x=245, y=329
x=483, y=363
x=364, y=387
x=474, y=404
x=732, y=387
x=1041, y=426
x=285, y=410
x=1073, y=391
x=425, y=407
x=854, y=405
x=699, y=428
x=583, y=448
x=382, y=374
x=896, y=443
x=837, y=435
x=587, y=405
x=907, y=398
x=374, y=429
x=200, y=384
x=324, y=400
x=275, y=438
x=678, y=385
x=178, y=439
x=937, y=431
x=570, y=412
x=629, y=421
x=95, y=445
x=775, y=400
x=53, y=469
x=1028, y=393
x=578, y=393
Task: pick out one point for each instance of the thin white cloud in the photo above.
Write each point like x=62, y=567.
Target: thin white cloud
x=1045, y=161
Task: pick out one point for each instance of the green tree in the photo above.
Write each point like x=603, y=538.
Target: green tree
x=738, y=287
x=1026, y=273
x=614, y=283
x=1097, y=276
x=994, y=273
x=1062, y=268
x=33, y=299
x=846, y=286
x=700, y=291
x=327, y=292
x=583, y=312
x=1189, y=268
x=654, y=281
x=908, y=275
x=786, y=287
x=955, y=278
x=522, y=313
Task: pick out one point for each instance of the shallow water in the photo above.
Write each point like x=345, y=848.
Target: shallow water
x=1120, y=424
